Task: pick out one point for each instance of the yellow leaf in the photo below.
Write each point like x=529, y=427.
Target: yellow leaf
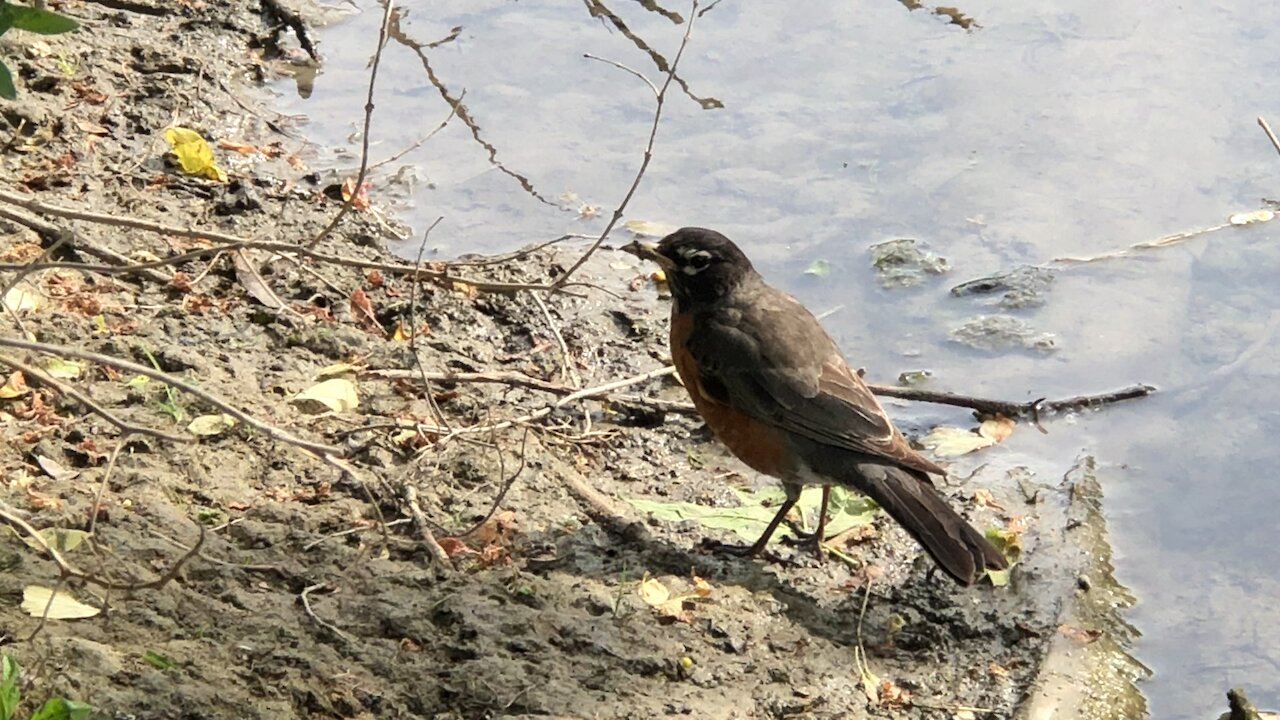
x=35, y=599
x=194, y=155
x=211, y=425
x=653, y=592
x=336, y=394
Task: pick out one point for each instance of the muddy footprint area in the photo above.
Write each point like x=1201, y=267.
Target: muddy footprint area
x=316, y=562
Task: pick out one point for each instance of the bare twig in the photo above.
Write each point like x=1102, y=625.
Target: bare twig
x=1270, y=135
x=436, y=412
x=127, y=428
x=506, y=486
x=351, y=531
x=625, y=69
x=644, y=164
x=1011, y=409
x=272, y=431
x=453, y=111
x=69, y=570
x=102, y=484
x=368, y=122
x=123, y=265
x=306, y=605
x=349, y=472
x=437, y=553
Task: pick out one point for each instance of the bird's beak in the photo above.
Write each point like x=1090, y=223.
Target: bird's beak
x=648, y=251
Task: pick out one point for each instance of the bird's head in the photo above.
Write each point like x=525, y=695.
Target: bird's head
x=701, y=265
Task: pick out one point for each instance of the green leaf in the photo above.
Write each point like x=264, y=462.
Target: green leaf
x=8, y=92
x=63, y=709
x=157, y=660
x=42, y=22
x=10, y=673
x=749, y=520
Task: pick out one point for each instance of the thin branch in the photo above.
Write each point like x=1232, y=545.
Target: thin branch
x=452, y=113
x=351, y=531
x=506, y=486
x=436, y=412
x=272, y=431
x=644, y=164
x=58, y=386
x=102, y=484
x=69, y=570
x=306, y=605
x=368, y=122
x=410, y=496
x=226, y=243
x=1270, y=135
x=1011, y=409
x=625, y=69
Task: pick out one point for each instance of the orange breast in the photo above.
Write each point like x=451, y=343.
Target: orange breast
x=760, y=445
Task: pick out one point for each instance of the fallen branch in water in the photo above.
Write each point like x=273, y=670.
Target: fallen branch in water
x=1030, y=409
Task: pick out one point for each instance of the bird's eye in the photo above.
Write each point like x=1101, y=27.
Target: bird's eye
x=699, y=261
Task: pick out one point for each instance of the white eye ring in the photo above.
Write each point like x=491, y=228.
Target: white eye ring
x=698, y=261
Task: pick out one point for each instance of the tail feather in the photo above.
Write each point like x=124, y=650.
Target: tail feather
x=952, y=542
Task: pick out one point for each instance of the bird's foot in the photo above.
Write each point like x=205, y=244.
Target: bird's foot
x=729, y=548
x=808, y=540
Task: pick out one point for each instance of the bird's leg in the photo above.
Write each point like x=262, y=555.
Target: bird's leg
x=814, y=539
x=759, y=545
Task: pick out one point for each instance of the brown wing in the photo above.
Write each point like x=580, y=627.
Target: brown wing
x=771, y=359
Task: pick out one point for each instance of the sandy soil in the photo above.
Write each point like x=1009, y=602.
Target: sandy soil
x=542, y=615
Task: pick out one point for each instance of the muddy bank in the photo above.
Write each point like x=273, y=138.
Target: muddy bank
x=297, y=605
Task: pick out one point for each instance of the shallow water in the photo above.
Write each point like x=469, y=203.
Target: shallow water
x=1047, y=132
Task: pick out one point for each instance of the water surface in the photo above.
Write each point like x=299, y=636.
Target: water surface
x=1053, y=129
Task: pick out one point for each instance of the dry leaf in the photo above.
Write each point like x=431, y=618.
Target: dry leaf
x=193, y=153
x=335, y=394
x=644, y=228
x=242, y=148
x=701, y=587
x=35, y=600
x=453, y=546
x=1249, y=218
x=54, y=469
x=41, y=501
x=61, y=539
x=15, y=386
x=984, y=498
x=63, y=369
x=653, y=592
x=337, y=370
x=997, y=428
x=953, y=442
x=211, y=425
x=497, y=529
x=359, y=200
x=22, y=299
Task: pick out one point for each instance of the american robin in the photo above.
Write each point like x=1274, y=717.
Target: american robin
x=773, y=387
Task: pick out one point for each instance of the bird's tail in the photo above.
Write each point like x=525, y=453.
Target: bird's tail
x=952, y=542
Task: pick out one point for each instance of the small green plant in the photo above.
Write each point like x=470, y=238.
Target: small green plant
x=36, y=20
x=170, y=405
x=53, y=709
